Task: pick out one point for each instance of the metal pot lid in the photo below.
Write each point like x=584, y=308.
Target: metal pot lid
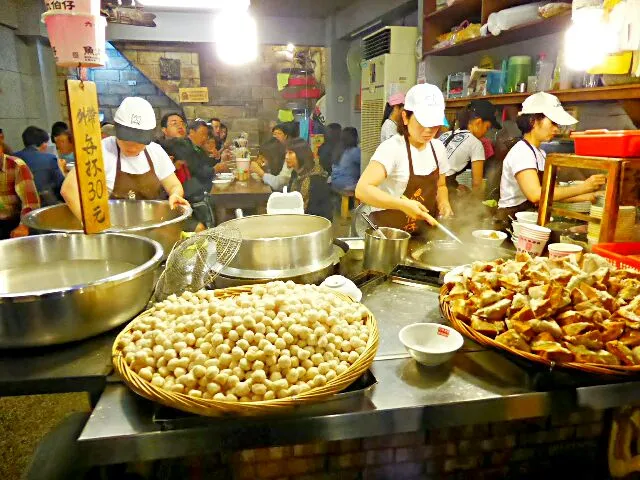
x=334, y=258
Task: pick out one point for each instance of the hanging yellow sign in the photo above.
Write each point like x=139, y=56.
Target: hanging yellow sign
x=194, y=95
x=85, y=123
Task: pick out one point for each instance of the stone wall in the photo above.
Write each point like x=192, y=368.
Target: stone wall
x=23, y=83
x=245, y=97
x=120, y=78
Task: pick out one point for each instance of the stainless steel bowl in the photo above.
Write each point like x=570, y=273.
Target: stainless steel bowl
x=153, y=219
x=59, y=288
x=281, y=246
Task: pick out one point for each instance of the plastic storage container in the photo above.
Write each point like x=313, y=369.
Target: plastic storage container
x=607, y=143
x=518, y=71
x=622, y=255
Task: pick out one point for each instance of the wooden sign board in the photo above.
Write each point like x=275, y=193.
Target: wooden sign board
x=194, y=95
x=85, y=123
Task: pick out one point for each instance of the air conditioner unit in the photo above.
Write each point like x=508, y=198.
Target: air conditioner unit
x=388, y=66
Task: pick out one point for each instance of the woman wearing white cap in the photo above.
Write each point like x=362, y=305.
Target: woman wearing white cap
x=135, y=167
x=522, y=169
x=405, y=179
x=392, y=116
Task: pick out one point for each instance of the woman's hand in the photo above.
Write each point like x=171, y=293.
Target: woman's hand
x=176, y=200
x=257, y=169
x=445, y=210
x=594, y=182
x=416, y=211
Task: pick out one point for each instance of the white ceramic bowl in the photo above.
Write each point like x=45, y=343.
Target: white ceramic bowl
x=527, y=217
x=484, y=237
x=430, y=343
x=343, y=285
x=225, y=176
x=516, y=226
x=222, y=183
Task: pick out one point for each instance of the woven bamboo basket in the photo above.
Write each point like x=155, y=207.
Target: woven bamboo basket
x=472, y=334
x=206, y=407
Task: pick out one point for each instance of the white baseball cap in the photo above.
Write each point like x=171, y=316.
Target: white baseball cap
x=549, y=105
x=427, y=104
x=135, y=120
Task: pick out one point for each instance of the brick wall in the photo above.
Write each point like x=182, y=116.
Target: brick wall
x=567, y=446
x=112, y=83
x=244, y=97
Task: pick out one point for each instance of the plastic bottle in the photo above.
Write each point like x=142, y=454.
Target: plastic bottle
x=561, y=74
x=544, y=72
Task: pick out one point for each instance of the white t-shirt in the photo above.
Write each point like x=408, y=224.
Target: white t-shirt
x=389, y=129
x=392, y=154
x=462, y=149
x=519, y=158
x=162, y=164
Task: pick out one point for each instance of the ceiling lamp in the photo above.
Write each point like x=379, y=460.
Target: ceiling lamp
x=589, y=39
x=236, y=36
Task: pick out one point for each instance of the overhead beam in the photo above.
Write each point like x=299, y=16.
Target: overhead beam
x=198, y=27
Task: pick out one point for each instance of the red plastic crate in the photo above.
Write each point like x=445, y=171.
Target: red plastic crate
x=606, y=143
x=619, y=254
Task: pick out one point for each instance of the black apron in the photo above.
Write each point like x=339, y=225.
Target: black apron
x=422, y=188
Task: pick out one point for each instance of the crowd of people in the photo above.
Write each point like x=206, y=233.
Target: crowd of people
x=179, y=164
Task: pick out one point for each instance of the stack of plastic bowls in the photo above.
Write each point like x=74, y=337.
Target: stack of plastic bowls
x=532, y=239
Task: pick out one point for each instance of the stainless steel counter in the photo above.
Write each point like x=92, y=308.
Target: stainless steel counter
x=476, y=386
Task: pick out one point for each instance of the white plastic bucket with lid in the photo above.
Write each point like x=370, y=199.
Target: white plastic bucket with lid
x=288, y=203
x=83, y=7
x=76, y=39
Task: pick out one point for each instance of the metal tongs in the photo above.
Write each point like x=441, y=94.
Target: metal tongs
x=373, y=225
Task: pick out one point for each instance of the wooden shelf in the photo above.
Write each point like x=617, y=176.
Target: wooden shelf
x=617, y=92
x=456, y=12
x=518, y=34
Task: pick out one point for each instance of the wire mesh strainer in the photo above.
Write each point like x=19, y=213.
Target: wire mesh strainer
x=195, y=262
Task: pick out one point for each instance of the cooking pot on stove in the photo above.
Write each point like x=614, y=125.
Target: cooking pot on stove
x=445, y=255
x=281, y=247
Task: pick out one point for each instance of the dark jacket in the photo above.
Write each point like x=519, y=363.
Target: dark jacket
x=200, y=166
x=46, y=173
x=315, y=190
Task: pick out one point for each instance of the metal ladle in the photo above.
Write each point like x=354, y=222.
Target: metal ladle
x=373, y=225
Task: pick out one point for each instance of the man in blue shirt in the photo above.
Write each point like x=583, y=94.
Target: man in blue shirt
x=44, y=166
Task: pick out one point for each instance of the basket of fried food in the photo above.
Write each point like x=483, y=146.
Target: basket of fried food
x=580, y=314
x=247, y=350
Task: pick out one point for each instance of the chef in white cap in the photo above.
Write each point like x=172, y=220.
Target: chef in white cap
x=405, y=179
x=135, y=167
x=521, y=183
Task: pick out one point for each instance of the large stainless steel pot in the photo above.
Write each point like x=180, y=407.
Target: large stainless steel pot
x=282, y=246
x=153, y=219
x=40, y=301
